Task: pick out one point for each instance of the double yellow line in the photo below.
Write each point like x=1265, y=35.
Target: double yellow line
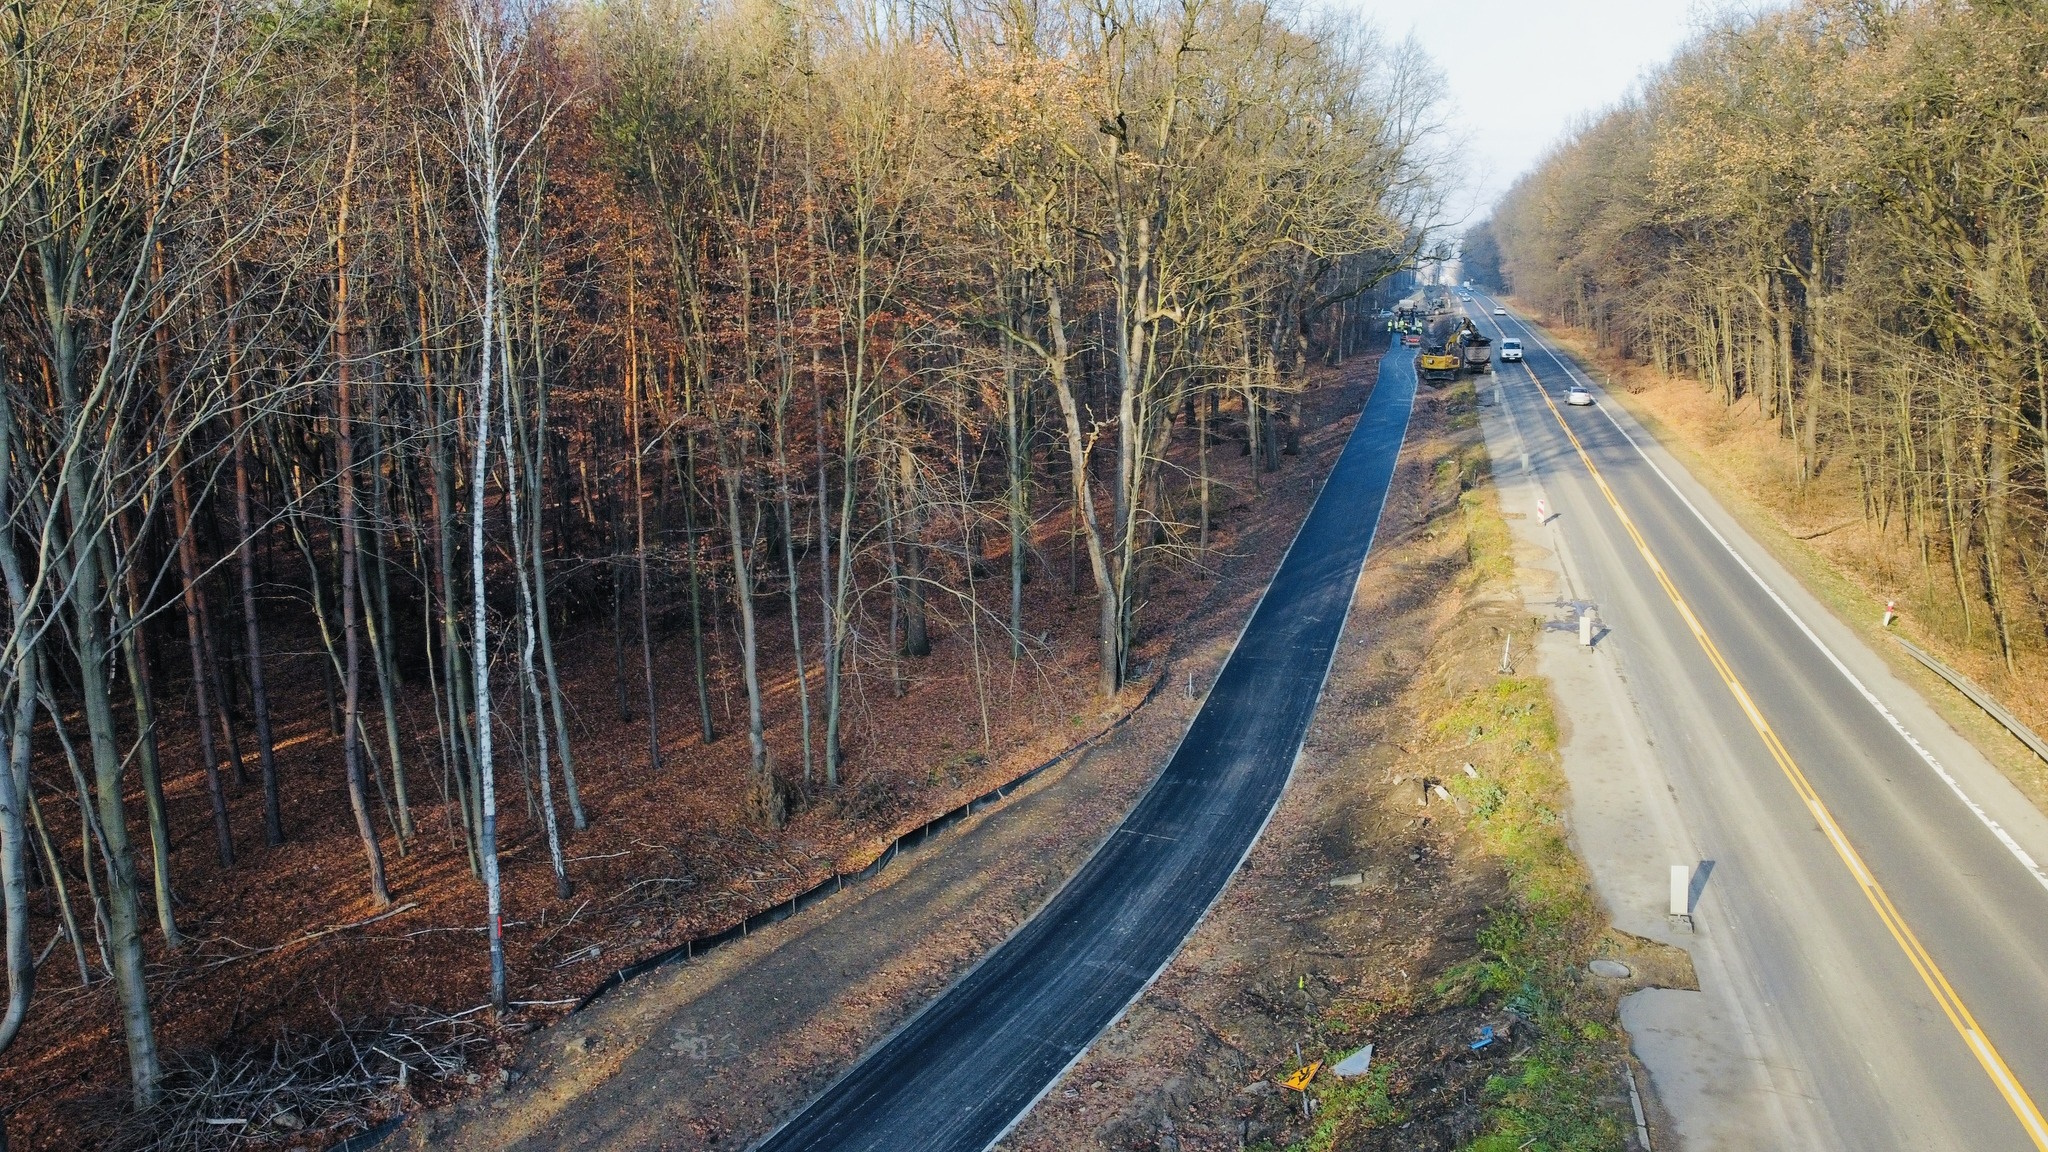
x=1951, y=1004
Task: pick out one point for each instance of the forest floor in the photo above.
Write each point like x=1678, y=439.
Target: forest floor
x=281, y=1015
x=1818, y=530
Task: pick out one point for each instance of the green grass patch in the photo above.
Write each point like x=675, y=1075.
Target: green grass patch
x=1461, y=405
x=1352, y=1108
x=1513, y=803
x=1489, y=550
x=1560, y=1094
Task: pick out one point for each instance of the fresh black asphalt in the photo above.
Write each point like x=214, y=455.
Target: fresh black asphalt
x=960, y=1073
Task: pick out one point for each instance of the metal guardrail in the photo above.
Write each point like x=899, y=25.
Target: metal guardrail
x=1978, y=696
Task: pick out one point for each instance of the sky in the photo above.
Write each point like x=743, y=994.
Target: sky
x=1519, y=73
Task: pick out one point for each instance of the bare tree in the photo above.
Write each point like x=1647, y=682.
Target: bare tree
x=484, y=48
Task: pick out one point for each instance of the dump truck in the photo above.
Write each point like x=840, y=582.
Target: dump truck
x=1475, y=349
x=1437, y=363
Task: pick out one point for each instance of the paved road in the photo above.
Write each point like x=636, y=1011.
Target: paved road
x=961, y=1072
x=1874, y=879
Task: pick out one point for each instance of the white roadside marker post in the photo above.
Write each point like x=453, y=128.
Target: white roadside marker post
x=1586, y=627
x=1681, y=897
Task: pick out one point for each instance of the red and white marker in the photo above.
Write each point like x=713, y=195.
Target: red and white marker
x=1542, y=511
x=1891, y=612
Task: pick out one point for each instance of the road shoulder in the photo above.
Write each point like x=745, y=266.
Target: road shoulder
x=1711, y=1061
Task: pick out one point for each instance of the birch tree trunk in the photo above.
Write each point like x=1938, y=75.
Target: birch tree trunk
x=17, y=725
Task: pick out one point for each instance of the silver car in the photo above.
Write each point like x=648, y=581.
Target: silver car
x=1577, y=396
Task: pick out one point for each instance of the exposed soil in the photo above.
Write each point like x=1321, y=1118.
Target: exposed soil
x=286, y=948
x=1366, y=895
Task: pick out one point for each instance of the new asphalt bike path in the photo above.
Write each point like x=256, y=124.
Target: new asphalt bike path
x=959, y=1074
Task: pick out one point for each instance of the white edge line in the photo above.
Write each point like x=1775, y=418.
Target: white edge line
x=2013, y=846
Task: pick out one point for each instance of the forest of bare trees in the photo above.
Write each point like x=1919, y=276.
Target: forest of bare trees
x=358, y=352
x=1835, y=213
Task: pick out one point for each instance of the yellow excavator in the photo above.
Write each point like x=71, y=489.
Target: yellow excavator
x=1437, y=364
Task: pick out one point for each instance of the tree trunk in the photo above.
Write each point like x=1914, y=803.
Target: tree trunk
x=787, y=509
x=827, y=636
x=516, y=462
x=1019, y=493
x=141, y=690
x=245, y=565
x=479, y=43
x=351, y=636
x=1203, y=406
x=377, y=618
x=917, y=640
x=541, y=612
x=89, y=637
x=1109, y=639
x=16, y=731
x=14, y=741
x=764, y=794
x=202, y=705
x=705, y=728
x=462, y=759
x=640, y=536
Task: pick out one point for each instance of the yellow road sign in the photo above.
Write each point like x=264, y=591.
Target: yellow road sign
x=1303, y=1077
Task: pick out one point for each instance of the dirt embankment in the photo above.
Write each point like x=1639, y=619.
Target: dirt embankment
x=1415, y=891
x=1819, y=530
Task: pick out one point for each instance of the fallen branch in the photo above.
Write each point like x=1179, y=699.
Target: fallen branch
x=563, y=926
x=507, y=926
x=312, y=936
x=298, y=1086
x=1825, y=531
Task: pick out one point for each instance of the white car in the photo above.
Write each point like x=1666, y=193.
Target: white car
x=1510, y=350
x=1500, y=311
x=1577, y=396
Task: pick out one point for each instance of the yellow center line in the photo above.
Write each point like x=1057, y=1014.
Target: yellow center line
x=1951, y=1004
